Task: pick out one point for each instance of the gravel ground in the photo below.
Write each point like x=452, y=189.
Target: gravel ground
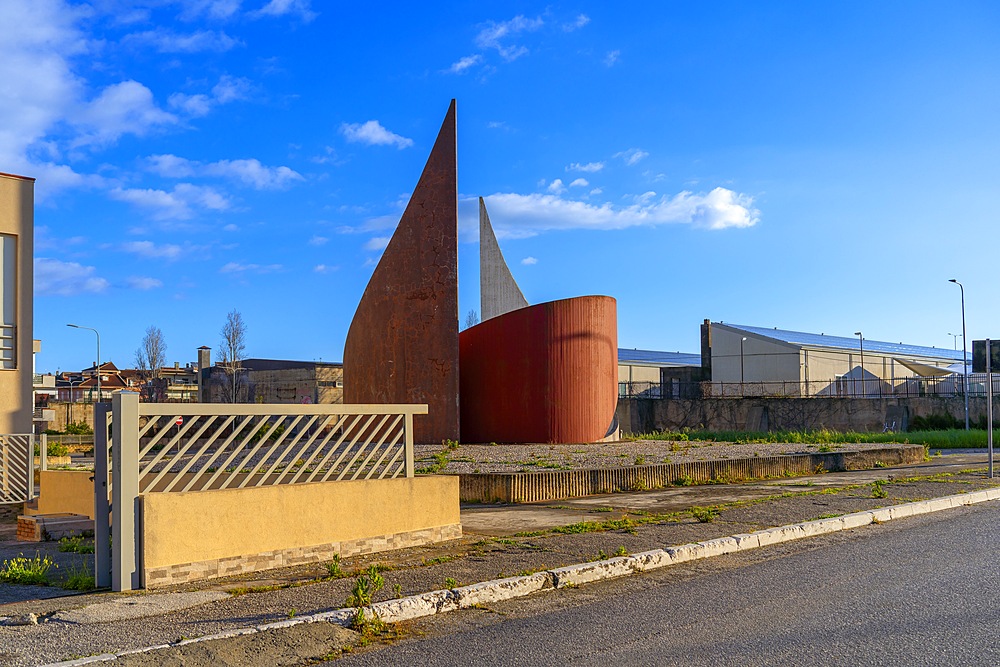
x=529, y=458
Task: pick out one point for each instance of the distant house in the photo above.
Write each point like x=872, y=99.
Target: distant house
x=777, y=362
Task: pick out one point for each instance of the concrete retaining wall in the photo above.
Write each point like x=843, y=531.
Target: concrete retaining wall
x=638, y=415
x=527, y=487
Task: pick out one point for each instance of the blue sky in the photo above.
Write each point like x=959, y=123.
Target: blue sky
x=821, y=167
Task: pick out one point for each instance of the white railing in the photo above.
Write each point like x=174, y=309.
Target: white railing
x=163, y=448
x=17, y=467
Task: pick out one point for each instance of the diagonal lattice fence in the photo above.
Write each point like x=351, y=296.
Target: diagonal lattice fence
x=236, y=446
x=17, y=458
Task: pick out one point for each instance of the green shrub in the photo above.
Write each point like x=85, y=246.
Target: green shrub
x=79, y=579
x=79, y=428
x=76, y=544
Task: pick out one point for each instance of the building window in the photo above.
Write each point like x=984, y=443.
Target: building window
x=8, y=301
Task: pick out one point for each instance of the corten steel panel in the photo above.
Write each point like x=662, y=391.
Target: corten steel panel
x=545, y=373
x=402, y=346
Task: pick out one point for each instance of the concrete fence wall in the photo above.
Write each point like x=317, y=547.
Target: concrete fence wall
x=839, y=414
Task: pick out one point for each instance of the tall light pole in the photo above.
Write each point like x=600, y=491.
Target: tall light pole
x=97, y=333
x=861, y=341
x=954, y=341
x=965, y=354
x=741, y=363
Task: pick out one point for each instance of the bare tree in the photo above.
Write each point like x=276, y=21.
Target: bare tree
x=472, y=319
x=233, y=351
x=150, y=358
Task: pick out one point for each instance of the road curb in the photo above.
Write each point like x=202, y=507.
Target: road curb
x=498, y=590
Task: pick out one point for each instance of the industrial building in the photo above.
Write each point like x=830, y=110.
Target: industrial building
x=747, y=360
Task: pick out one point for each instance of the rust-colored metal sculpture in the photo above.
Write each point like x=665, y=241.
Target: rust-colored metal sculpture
x=402, y=346
x=545, y=373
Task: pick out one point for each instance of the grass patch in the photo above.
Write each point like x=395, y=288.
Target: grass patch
x=29, y=571
x=951, y=438
x=76, y=544
x=79, y=578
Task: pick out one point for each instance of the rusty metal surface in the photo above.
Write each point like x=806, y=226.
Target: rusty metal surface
x=402, y=346
x=546, y=373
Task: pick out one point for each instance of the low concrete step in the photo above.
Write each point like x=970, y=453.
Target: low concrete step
x=41, y=527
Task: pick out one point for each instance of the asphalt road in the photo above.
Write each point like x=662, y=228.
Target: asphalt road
x=921, y=592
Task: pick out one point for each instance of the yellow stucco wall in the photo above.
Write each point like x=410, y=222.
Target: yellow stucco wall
x=65, y=492
x=17, y=218
x=199, y=526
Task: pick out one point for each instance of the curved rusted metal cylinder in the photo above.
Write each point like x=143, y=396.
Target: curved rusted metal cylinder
x=402, y=346
x=545, y=373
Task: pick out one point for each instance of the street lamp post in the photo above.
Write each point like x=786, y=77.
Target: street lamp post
x=965, y=354
x=861, y=341
x=741, y=364
x=97, y=333
x=954, y=341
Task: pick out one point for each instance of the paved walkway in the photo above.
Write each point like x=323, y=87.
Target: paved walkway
x=504, y=520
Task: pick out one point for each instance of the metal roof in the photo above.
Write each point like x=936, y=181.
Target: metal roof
x=652, y=357
x=849, y=343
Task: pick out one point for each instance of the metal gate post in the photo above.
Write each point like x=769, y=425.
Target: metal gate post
x=43, y=452
x=408, y=453
x=125, y=572
x=30, y=446
x=102, y=508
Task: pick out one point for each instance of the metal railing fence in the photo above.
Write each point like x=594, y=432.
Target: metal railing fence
x=869, y=387
x=164, y=448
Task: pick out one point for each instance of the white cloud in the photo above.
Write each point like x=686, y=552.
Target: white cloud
x=178, y=204
x=324, y=268
x=143, y=283
x=151, y=250
x=377, y=243
x=166, y=41
x=214, y=9
x=590, y=167
x=579, y=183
x=228, y=89
x=497, y=125
x=596, y=191
x=236, y=268
x=522, y=216
x=373, y=134
x=54, y=277
x=494, y=34
x=632, y=155
x=556, y=187
x=464, y=64
x=249, y=172
x=576, y=23
x=529, y=261
x=231, y=228
x=318, y=240
x=298, y=8
x=170, y=166
x=612, y=57
x=122, y=108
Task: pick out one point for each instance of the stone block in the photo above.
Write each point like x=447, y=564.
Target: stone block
x=416, y=606
x=718, y=547
x=747, y=541
x=651, y=560
x=856, y=520
x=502, y=589
x=584, y=573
